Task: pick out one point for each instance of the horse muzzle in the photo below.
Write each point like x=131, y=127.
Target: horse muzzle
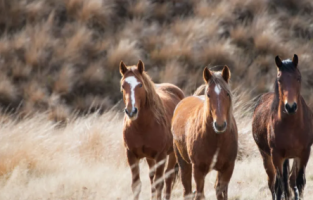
x=132, y=114
x=220, y=128
x=291, y=109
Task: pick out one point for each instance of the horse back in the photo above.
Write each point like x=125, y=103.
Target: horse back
x=170, y=95
x=170, y=89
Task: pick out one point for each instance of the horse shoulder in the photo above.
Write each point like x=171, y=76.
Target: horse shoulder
x=182, y=114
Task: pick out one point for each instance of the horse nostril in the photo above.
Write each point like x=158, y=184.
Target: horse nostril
x=135, y=110
x=220, y=127
x=294, y=106
x=287, y=107
x=126, y=111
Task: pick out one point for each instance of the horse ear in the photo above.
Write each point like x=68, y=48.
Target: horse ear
x=295, y=60
x=278, y=61
x=206, y=75
x=140, y=67
x=123, y=68
x=226, y=73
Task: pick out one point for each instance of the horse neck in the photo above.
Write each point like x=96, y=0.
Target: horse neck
x=145, y=118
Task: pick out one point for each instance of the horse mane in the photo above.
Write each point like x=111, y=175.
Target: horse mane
x=199, y=90
x=286, y=67
x=217, y=79
x=153, y=100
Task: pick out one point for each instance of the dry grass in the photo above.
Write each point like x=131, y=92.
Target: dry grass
x=86, y=160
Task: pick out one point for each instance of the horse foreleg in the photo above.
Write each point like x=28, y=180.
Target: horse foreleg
x=222, y=180
x=158, y=180
x=199, y=172
x=134, y=166
x=151, y=164
x=270, y=170
x=185, y=174
x=169, y=175
x=301, y=181
x=281, y=184
x=293, y=178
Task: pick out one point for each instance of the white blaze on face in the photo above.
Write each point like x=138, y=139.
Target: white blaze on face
x=217, y=90
x=133, y=82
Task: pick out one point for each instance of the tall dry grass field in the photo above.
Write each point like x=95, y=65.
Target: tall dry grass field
x=86, y=160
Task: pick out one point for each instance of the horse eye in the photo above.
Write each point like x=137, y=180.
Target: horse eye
x=140, y=85
x=208, y=95
x=228, y=94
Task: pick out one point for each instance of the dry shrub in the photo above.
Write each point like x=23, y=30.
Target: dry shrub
x=20, y=71
x=217, y=54
x=126, y=51
x=59, y=114
x=36, y=10
x=132, y=26
x=65, y=80
x=300, y=28
x=93, y=74
x=139, y=9
x=8, y=91
x=174, y=72
x=240, y=35
x=160, y=11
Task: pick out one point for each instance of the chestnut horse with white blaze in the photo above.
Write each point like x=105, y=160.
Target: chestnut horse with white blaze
x=147, y=133
x=205, y=135
x=282, y=129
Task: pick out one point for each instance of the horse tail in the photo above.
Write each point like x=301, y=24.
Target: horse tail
x=286, y=171
x=199, y=90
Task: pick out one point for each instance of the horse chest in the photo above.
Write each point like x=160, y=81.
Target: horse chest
x=288, y=138
x=145, y=144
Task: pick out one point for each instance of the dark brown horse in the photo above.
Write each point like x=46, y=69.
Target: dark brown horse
x=282, y=129
x=147, y=132
x=205, y=135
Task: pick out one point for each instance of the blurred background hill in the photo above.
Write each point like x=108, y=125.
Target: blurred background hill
x=62, y=56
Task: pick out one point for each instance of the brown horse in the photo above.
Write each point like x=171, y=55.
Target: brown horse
x=205, y=135
x=147, y=132
x=282, y=129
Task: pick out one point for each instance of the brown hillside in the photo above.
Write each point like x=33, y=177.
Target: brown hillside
x=62, y=55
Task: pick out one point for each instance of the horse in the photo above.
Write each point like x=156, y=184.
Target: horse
x=282, y=129
x=205, y=135
x=146, y=127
